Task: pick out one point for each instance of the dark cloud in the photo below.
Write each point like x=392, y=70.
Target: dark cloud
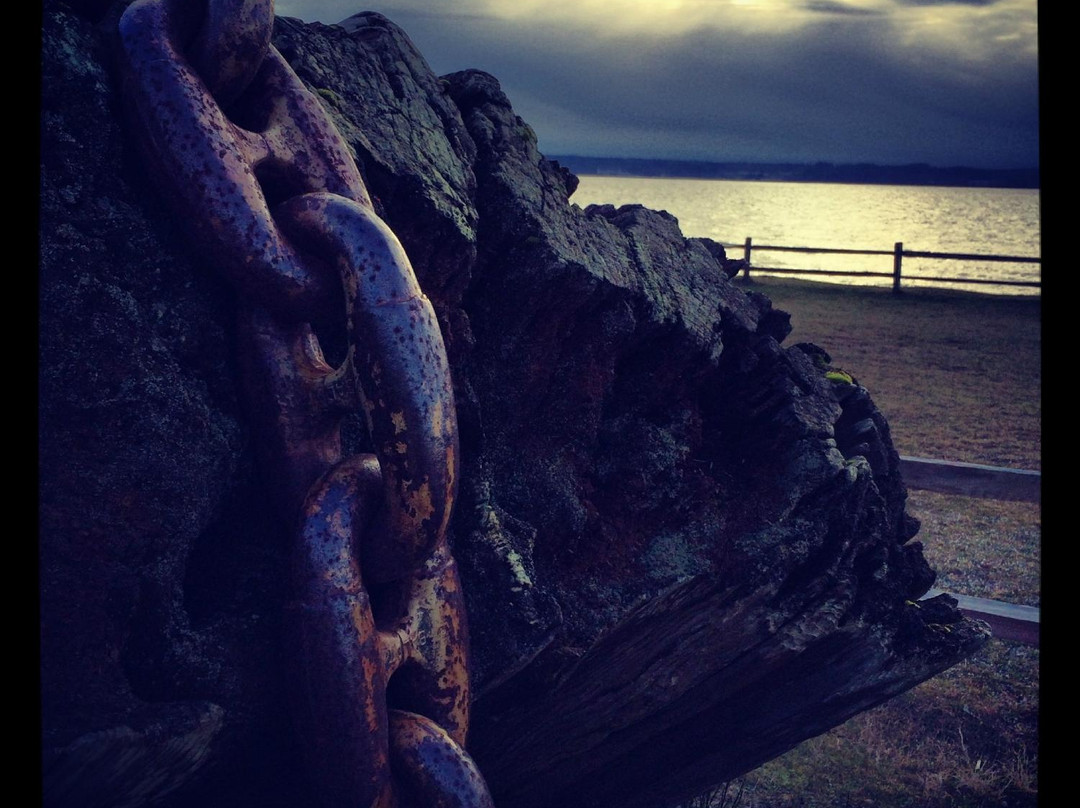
x=835, y=7
x=842, y=88
x=946, y=2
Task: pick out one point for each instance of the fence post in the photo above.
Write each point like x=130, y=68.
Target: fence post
x=898, y=257
x=746, y=258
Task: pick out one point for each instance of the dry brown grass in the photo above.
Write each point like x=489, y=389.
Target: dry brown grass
x=968, y=737
x=958, y=376
x=980, y=547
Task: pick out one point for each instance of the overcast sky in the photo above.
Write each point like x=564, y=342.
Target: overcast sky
x=945, y=82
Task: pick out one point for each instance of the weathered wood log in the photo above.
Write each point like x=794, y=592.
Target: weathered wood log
x=698, y=686
x=684, y=549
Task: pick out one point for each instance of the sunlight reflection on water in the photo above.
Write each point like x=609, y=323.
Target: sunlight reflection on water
x=1000, y=221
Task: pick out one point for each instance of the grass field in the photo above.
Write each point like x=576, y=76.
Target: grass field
x=958, y=376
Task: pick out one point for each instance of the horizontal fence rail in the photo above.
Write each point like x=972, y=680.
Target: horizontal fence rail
x=1007, y=621
x=971, y=479
x=898, y=253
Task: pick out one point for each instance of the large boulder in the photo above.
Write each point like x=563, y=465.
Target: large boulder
x=684, y=548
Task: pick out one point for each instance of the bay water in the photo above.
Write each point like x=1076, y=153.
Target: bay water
x=998, y=221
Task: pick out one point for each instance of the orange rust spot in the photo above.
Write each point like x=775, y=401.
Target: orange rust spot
x=438, y=426
x=422, y=502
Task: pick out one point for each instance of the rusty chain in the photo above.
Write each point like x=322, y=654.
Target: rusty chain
x=271, y=196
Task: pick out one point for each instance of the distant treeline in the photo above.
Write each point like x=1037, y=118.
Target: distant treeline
x=862, y=173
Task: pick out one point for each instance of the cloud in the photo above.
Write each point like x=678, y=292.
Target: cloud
x=867, y=80
x=837, y=7
x=947, y=2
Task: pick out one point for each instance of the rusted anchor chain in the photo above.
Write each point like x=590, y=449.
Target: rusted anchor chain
x=253, y=164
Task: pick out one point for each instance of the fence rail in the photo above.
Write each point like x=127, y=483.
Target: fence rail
x=972, y=479
x=1008, y=621
x=898, y=253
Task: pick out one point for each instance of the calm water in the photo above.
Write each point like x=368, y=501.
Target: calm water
x=1001, y=221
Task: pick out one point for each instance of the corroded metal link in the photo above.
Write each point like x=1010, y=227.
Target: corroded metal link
x=341, y=690
x=437, y=772
x=216, y=170
x=271, y=191
x=231, y=44
x=296, y=401
x=303, y=150
x=338, y=689
x=427, y=621
x=404, y=377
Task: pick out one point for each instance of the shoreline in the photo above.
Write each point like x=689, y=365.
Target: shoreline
x=920, y=174
x=942, y=292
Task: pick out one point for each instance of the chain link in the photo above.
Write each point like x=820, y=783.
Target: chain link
x=272, y=197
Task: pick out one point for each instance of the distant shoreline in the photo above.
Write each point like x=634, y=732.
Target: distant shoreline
x=788, y=285
x=850, y=173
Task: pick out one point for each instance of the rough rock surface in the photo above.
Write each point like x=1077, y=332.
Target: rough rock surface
x=684, y=549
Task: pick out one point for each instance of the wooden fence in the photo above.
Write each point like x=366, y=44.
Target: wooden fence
x=1008, y=621
x=898, y=253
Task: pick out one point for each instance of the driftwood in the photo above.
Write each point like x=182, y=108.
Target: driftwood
x=684, y=548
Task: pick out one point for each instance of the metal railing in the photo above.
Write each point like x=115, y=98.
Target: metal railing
x=898, y=253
